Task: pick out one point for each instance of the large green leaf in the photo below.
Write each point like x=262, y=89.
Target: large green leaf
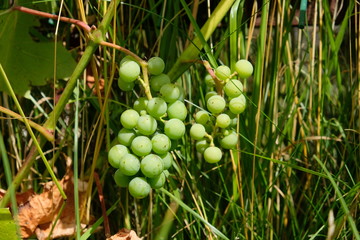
x=7, y=225
x=27, y=62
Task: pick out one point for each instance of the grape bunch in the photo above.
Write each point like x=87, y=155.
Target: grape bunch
x=217, y=125
x=149, y=130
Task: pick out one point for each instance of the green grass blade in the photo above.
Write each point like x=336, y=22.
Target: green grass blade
x=341, y=199
x=196, y=215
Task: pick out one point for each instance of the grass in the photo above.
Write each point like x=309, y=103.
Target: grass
x=295, y=173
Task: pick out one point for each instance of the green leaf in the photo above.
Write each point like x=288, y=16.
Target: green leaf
x=7, y=225
x=27, y=62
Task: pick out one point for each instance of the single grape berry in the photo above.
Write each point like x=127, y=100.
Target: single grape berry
x=115, y=154
x=212, y=154
x=129, y=164
x=120, y=179
x=161, y=143
x=167, y=160
x=237, y=105
x=216, y=104
x=177, y=110
x=223, y=72
x=170, y=92
x=126, y=136
x=229, y=141
x=146, y=125
x=223, y=120
x=139, y=187
x=156, y=107
x=244, y=68
x=174, y=129
x=129, y=71
x=197, y=131
x=125, y=86
x=140, y=104
x=158, y=181
x=156, y=65
x=156, y=82
x=151, y=165
x=202, y=117
x=233, y=88
x=141, y=146
x=129, y=118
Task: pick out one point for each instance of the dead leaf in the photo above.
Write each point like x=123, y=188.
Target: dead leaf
x=21, y=198
x=125, y=234
x=39, y=213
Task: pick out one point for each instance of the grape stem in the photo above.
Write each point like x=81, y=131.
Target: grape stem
x=210, y=137
x=218, y=83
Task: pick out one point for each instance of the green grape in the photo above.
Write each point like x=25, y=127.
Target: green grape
x=167, y=160
x=237, y=105
x=201, y=145
x=197, y=131
x=223, y=72
x=146, y=125
x=177, y=110
x=202, y=117
x=139, y=187
x=126, y=136
x=229, y=141
x=151, y=165
x=129, y=71
x=223, y=120
x=127, y=58
x=158, y=181
x=244, y=68
x=125, y=86
x=120, y=179
x=140, y=104
x=233, y=88
x=212, y=154
x=156, y=82
x=174, y=129
x=216, y=104
x=129, y=118
x=156, y=107
x=156, y=65
x=209, y=81
x=141, y=146
x=161, y=143
x=129, y=164
x=115, y=154
x=170, y=92
x=209, y=95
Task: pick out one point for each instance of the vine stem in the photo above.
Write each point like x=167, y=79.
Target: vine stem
x=76, y=22
x=39, y=128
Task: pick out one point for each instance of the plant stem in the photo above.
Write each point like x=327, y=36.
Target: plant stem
x=39, y=128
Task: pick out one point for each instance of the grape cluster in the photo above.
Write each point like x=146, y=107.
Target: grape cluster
x=149, y=130
x=219, y=122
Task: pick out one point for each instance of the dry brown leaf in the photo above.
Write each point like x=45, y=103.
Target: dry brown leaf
x=21, y=198
x=125, y=234
x=39, y=213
